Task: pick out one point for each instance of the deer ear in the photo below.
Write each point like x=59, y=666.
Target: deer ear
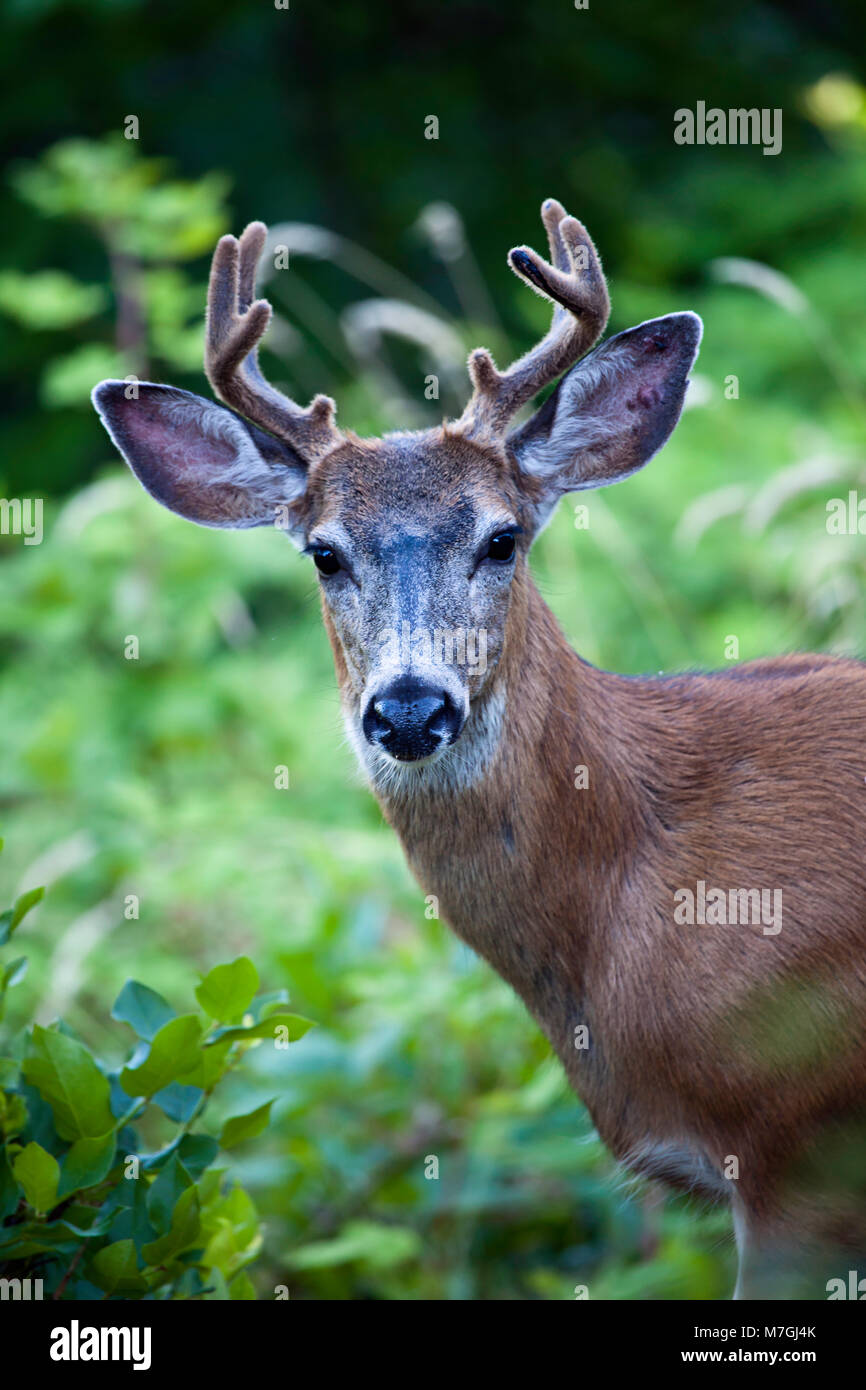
x=612, y=412
x=197, y=458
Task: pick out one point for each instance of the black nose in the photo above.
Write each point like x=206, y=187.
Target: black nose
x=410, y=720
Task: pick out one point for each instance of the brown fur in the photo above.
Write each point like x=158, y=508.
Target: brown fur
x=709, y=1045
x=714, y=1041
x=754, y=777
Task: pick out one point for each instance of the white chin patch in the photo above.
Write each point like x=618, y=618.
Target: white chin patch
x=449, y=770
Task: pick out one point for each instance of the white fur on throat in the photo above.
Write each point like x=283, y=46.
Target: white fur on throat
x=451, y=770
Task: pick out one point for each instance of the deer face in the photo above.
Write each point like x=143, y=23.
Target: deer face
x=420, y=538
x=416, y=539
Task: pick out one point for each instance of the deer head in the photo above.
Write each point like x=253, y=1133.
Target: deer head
x=421, y=538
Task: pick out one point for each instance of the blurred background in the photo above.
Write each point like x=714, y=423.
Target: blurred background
x=155, y=776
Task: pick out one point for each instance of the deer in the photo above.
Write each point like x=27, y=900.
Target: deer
x=722, y=1058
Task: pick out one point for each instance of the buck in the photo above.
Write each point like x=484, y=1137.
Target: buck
x=711, y=1054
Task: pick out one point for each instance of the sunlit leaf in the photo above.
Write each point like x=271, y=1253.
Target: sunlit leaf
x=66, y=1076
x=13, y=916
x=115, y=1269
x=49, y=298
x=227, y=991
x=278, y=1027
x=38, y=1172
x=172, y=1053
x=241, y=1127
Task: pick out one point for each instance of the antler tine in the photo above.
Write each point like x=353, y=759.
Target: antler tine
x=236, y=324
x=574, y=282
x=552, y=215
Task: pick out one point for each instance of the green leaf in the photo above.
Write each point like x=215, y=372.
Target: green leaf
x=66, y=1076
x=283, y=1027
x=209, y=1185
x=242, y=1288
x=232, y=1232
x=24, y=904
x=164, y=1192
x=34, y=1238
x=10, y=1070
x=247, y=1126
x=178, y=1102
x=68, y=380
x=217, y=1287
x=87, y=1163
x=48, y=298
x=172, y=1053
x=227, y=991
x=14, y=915
x=127, y=1209
x=143, y=1009
x=115, y=1269
x=377, y=1247
x=82, y=1220
x=210, y=1065
x=31, y=1237
x=185, y=1227
x=40, y=1125
x=38, y=1172
x=12, y=975
x=10, y=1194
x=13, y=1114
x=269, y=1003
x=14, y=972
x=197, y=1152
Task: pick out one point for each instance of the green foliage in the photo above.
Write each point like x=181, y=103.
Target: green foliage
x=153, y=778
x=49, y=298
x=107, y=185
x=373, y=1248
x=66, y=1076
x=241, y=1127
x=84, y=1206
x=228, y=990
x=142, y=219
x=38, y=1175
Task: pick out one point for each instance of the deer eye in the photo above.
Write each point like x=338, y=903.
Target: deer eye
x=501, y=546
x=325, y=560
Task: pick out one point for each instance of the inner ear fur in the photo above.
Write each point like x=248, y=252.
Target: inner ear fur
x=614, y=410
x=199, y=459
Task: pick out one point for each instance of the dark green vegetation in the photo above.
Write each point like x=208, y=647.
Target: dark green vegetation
x=90, y=1205
x=155, y=776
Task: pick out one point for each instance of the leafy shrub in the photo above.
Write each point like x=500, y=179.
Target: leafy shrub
x=83, y=1206
x=156, y=775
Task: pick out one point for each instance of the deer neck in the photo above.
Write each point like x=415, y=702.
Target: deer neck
x=508, y=840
